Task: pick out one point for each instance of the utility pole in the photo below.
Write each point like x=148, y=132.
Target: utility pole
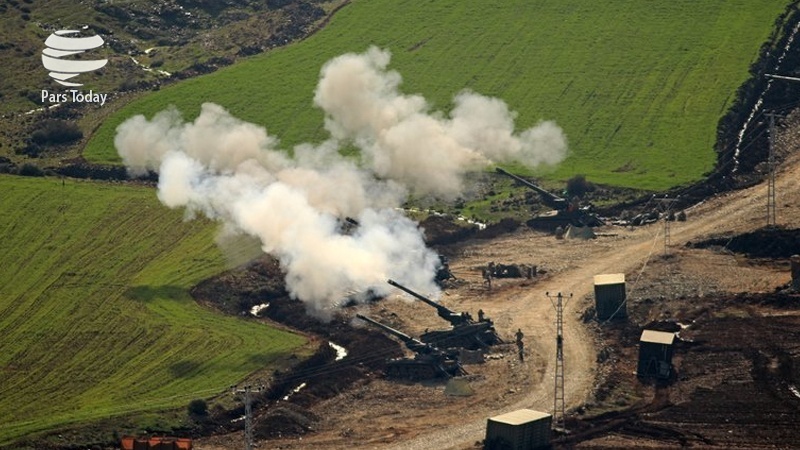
x=664, y=208
x=559, y=401
x=771, y=220
x=248, y=413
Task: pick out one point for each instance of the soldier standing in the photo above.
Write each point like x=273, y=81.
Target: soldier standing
x=520, y=345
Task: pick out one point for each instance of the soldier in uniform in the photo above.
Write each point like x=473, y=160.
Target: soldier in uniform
x=520, y=345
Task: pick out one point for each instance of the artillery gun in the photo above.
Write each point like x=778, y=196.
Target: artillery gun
x=565, y=213
x=466, y=332
x=428, y=361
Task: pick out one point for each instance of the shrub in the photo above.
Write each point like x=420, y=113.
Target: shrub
x=198, y=408
x=30, y=170
x=31, y=150
x=56, y=132
x=277, y=4
x=129, y=84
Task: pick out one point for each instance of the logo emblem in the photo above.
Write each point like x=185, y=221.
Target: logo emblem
x=60, y=45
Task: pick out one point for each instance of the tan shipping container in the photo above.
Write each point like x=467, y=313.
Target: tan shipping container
x=609, y=296
x=524, y=429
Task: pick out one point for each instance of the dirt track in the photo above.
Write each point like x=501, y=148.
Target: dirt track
x=576, y=263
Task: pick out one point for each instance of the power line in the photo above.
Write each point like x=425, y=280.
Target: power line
x=559, y=397
x=248, y=413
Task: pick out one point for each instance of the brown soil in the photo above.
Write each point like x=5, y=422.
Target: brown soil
x=734, y=375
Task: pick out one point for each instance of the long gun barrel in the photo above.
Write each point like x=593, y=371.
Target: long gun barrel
x=447, y=314
x=549, y=198
x=412, y=344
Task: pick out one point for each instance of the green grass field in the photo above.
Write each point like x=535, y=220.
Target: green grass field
x=638, y=86
x=95, y=315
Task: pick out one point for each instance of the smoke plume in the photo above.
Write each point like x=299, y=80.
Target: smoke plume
x=235, y=172
x=401, y=139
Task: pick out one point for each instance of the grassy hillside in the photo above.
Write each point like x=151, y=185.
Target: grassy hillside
x=637, y=86
x=95, y=316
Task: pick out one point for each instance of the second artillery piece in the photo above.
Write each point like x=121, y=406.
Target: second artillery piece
x=466, y=332
x=565, y=212
x=428, y=361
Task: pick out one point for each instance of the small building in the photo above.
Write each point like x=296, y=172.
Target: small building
x=655, y=354
x=609, y=296
x=524, y=429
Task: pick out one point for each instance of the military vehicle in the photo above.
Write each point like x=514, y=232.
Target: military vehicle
x=428, y=361
x=466, y=332
x=564, y=212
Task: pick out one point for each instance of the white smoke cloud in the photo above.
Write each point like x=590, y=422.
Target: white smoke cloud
x=486, y=124
x=233, y=171
x=401, y=140
x=215, y=139
x=321, y=262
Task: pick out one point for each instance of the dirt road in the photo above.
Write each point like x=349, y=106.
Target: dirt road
x=628, y=252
